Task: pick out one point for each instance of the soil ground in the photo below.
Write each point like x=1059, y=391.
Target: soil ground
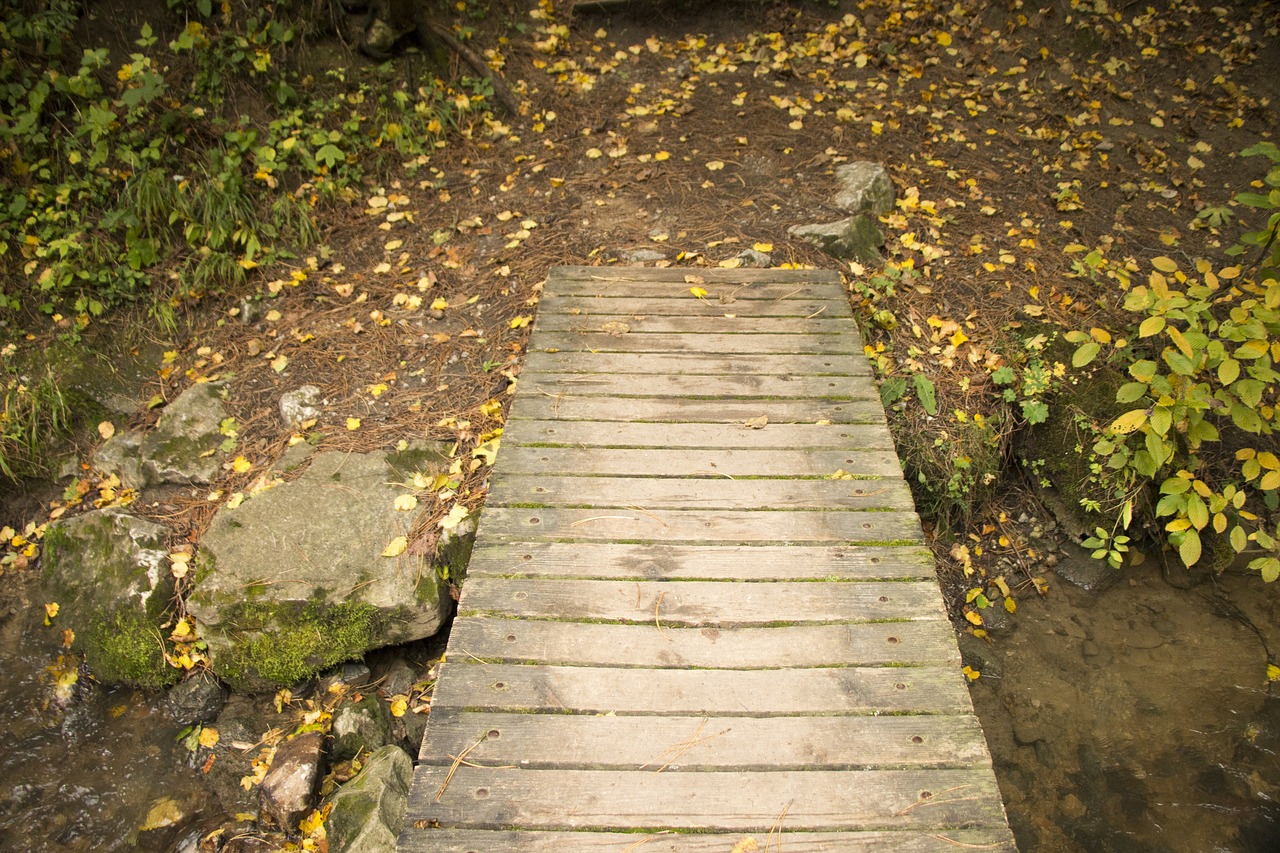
x=1017, y=136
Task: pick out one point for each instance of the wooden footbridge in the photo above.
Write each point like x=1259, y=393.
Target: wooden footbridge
x=699, y=616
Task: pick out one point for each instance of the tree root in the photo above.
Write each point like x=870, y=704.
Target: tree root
x=427, y=27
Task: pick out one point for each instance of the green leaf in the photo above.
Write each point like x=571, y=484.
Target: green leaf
x=1085, y=353
x=1151, y=326
x=1239, y=540
x=1130, y=391
x=1161, y=420
x=1175, y=486
x=1245, y=418
x=1003, y=376
x=892, y=389
x=927, y=394
x=1076, y=337
x=1143, y=371
x=1035, y=412
x=1179, y=363
x=1189, y=548
x=1228, y=371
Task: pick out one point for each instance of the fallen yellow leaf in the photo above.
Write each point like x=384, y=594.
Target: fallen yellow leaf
x=395, y=547
x=353, y=424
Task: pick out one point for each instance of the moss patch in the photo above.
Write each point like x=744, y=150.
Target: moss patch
x=127, y=649
x=279, y=645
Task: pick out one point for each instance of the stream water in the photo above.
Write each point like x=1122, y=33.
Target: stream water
x=1134, y=720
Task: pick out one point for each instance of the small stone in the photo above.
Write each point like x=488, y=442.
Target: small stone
x=640, y=256
x=865, y=187
x=856, y=238
x=199, y=699
x=367, y=813
x=362, y=726
x=398, y=677
x=121, y=455
x=1051, y=560
x=1072, y=807
x=288, y=791
x=300, y=405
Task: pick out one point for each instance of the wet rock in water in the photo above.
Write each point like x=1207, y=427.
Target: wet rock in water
x=288, y=791
x=368, y=812
x=855, y=238
x=199, y=699
x=300, y=405
x=109, y=572
x=864, y=187
x=293, y=581
x=240, y=726
x=1076, y=567
x=362, y=726
x=178, y=450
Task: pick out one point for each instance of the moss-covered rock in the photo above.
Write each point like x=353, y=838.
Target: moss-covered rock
x=293, y=580
x=108, y=570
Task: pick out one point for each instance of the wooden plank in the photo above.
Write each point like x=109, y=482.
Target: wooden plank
x=701, y=744
x=847, y=344
x=688, y=306
x=538, y=403
x=485, y=797
x=665, y=692
x=528, y=524
x=620, y=434
x=725, y=324
x=719, y=604
x=662, y=364
x=705, y=387
x=699, y=493
x=421, y=840
x=656, y=561
x=685, y=464
x=503, y=640
x=766, y=283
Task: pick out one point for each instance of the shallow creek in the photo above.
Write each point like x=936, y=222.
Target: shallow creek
x=1135, y=719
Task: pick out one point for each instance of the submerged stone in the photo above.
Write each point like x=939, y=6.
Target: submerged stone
x=289, y=789
x=109, y=571
x=293, y=581
x=368, y=812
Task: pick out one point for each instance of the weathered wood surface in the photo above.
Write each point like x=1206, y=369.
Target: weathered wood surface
x=705, y=492
x=658, y=561
x=680, y=630
x=661, y=364
x=704, y=436
x=702, y=603
x=683, y=744
x=701, y=387
x=415, y=840
x=571, y=404
x=706, y=462
x=503, y=639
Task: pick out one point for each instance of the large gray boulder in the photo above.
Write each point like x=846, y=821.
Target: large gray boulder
x=183, y=448
x=368, y=812
x=109, y=573
x=293, y=581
